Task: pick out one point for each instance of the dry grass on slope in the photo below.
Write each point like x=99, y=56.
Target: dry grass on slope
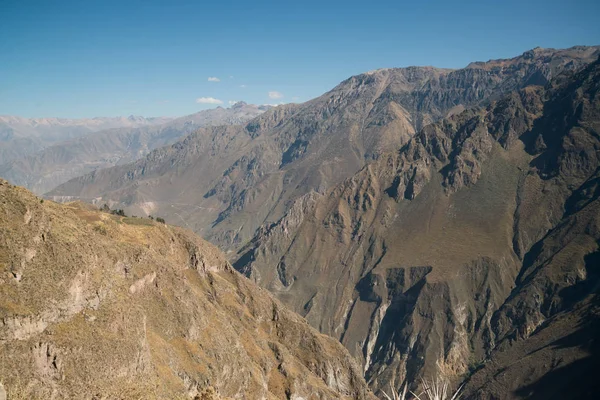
x=93, y=306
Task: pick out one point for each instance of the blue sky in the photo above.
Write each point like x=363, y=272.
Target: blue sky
x=90, y=58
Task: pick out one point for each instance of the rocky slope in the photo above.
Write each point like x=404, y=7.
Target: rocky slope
x=22, y=136
x=97, y=306
x=224, y=183
x=472, y=252
x=46, y=169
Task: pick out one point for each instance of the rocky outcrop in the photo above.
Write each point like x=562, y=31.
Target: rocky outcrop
x=117, y=307
x=469, y=248
x=225, y=185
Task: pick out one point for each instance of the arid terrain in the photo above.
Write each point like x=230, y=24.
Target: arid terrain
x=95, y=305
x=475, y=242
x=411, y=223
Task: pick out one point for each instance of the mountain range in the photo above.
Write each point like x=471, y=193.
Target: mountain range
x=22, y=136
x=226, y=182
x=44, y=170
x=473, y=246
x=435, y=222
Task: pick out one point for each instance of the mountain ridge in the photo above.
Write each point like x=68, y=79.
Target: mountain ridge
x=56, y=164
x=22, y=136
x=294, y=149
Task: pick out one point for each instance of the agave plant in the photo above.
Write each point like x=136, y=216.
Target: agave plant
x=437, y=390
x=401, y=395
x=432, y=390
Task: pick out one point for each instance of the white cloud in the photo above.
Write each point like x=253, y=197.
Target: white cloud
x=242, y=86
x=275, y=95
x=232, y=102
x=213, y=79
x=208, y=100
x=230, y=76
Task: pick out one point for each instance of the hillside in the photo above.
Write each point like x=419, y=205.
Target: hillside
x=471, y=252
x=94, y=305
x=224, y=183
x=48, y=168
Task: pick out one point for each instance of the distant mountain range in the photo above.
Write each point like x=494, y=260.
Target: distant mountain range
x=44, y=170
x=22, y=136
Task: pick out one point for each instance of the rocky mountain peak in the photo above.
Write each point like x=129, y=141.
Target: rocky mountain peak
x=239, y=104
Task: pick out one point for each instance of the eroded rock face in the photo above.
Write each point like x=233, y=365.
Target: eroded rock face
x=467, y=247
x=112, y=307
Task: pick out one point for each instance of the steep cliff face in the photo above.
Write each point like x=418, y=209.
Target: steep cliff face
x=467, y=246
x=547, y=331
x=226, y=184
x=94, y=306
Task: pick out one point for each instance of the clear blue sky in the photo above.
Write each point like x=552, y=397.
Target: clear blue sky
x=89, y=58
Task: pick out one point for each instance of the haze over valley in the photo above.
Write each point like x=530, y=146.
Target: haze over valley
x=43, y=170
